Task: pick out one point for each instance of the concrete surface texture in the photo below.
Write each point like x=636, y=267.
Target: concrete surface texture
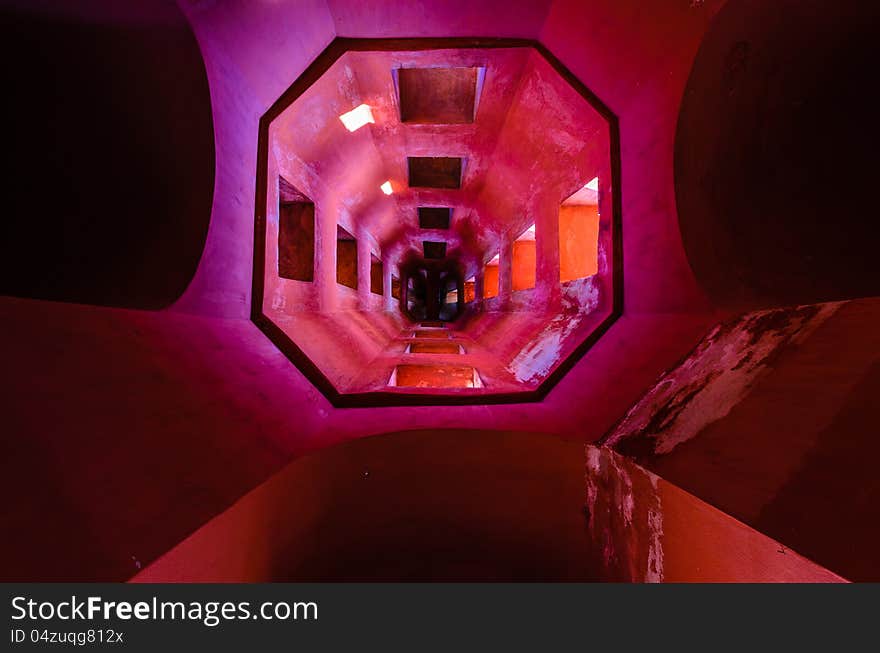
x=146, y=416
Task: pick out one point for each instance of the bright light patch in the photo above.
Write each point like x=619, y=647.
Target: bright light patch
x=357, y=117
x=386, y=188
x=495, y=261
x=528, y=234
x=587, y=195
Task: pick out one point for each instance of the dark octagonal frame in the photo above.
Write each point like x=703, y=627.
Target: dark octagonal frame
x=297, y=356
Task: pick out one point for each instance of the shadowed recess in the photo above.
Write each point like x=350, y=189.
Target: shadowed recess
x=434, y=217
x=437, y=95
x=434, y=172
x=112, y=138
x=775, y=154
x=434, y=250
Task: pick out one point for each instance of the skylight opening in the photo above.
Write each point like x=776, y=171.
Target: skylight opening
x=433, y=217
x=386, y=188
x=435, y=171
x=357, y=117
x=438, y=95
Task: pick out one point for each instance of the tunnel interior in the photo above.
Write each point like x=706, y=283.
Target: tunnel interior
x=478, y=176
x=288, y=287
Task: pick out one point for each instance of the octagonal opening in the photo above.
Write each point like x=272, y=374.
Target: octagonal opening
x=495, y=304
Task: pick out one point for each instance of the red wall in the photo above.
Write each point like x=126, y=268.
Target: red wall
x=173, y=415
x=414, y=505
x=771, y=419
x=644, y=529
x=382, y=508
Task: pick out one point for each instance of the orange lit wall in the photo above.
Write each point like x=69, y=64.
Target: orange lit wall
x=490, y=287
x=578, y=242
x=523, y=264
x=469, y=291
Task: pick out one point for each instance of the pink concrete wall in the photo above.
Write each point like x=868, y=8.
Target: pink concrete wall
x=643, y=88
x=654, y=44
x=252, y=54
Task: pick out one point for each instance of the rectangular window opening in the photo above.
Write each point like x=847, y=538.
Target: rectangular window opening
x=433, y=249
x=296, y=233
x=524, y=260
x=438, y=95
x=346, y=258
x=435, y=348
x=377, y=275
x=579, y=234
x=470, y=290
x=435, y=376
x=434, y=171
x=434, y=217
x=434, y=334
x=490, y=278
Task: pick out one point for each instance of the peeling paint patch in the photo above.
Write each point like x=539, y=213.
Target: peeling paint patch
x=537, y=359
x=539, y=356
x=715, y=377
x=278, y=300
x=654, y=572
x=626, y=519
x=580, y=295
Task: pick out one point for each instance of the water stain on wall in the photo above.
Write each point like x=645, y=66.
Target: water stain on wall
x=718, y=374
